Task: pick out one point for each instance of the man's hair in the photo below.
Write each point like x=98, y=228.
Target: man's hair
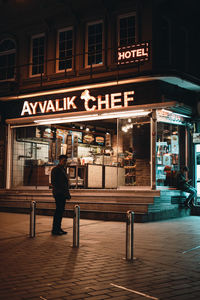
x=62, y=156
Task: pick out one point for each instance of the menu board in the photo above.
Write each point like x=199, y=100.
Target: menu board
x=100, y=140
x=88, y=138
x=69, y=145
x=75, y=146
x=174, y=144
x=79, y=136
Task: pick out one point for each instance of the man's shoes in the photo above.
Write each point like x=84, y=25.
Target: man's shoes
x=62, y=231
x=59, y=232
x=56, y=233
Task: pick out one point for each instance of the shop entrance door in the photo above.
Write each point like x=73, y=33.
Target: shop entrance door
x=197, y=170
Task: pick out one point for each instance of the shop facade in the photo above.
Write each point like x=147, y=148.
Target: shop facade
x=115, y=137
x=105, y=85
x=124, y=142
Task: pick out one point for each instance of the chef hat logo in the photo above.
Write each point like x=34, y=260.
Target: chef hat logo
x=86, y=96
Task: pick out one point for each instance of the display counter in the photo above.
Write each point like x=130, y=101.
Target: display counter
x=99, y=176
x=95, y=176
x=114, y=177
x=77, y=176
x=35, y=176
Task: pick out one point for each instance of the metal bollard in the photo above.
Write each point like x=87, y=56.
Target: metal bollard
x=129, y=235
x=32, y=218
x=76, y=226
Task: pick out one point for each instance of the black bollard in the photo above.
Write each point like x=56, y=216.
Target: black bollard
x=129, y=235
x=32, y=218
x=76, y=226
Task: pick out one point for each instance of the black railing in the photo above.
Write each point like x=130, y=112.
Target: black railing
x=50, y=73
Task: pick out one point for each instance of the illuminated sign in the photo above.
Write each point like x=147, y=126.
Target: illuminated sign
x=86, y=101
x=134, y=53
x=169, y=117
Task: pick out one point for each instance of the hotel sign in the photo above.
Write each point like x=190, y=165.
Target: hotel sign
x=83, y=102
x=133, y=54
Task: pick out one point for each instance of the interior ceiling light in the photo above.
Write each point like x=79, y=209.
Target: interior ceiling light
x=103, y=116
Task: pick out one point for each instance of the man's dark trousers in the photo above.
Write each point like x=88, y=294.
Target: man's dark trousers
x=60, y=207
x=190, y=189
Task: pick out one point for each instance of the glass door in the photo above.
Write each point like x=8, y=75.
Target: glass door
x=197, y=169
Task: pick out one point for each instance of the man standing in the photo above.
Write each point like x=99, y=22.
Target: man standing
x=59, y=183
x=183, y=184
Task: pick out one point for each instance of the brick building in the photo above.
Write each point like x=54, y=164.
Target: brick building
x=114, y=85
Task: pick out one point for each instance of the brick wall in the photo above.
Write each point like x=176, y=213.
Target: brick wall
x=142, y=172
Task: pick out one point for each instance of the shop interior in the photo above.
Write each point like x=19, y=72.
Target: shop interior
x=170, y=152
x=111, y=153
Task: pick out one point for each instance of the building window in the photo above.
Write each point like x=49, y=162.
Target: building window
x=127, y=30
x=7, y=59
x=65, y=49
x=37, y=54
x=94, y=44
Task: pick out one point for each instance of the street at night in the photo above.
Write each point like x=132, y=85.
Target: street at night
x=166, y=264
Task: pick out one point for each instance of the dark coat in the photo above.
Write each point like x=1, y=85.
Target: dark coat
x=59, y=182
x=181, y=181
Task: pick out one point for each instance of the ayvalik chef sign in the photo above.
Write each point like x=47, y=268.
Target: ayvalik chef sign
x=85, y=100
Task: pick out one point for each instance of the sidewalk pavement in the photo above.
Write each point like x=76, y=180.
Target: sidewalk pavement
x=167, y=264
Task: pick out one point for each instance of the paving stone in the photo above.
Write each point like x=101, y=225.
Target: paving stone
x=47, y=267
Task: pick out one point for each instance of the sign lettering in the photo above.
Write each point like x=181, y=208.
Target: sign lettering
x=133, y=54
x=87, y=101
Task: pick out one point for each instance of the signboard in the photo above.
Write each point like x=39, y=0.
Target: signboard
x=169, y=117
x=84, y=102
x=114, y=97
x=133, y=54
x=196, y=138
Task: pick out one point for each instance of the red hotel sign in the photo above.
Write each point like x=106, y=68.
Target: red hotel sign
x=133, y=54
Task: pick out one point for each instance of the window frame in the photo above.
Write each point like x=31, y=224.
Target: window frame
x=100, y=21
x=132, y=14
x=9, y=52
x=57, y=49
x=31, y=54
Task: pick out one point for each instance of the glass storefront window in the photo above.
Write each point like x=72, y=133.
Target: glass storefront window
x=110, y=154
x=170, y=153
x=134, y=151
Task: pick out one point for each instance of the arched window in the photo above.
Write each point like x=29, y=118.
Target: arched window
x=7, y=59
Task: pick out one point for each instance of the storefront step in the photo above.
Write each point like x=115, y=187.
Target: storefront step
x=108, y=205
x=143, y=192
x=84, y=206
